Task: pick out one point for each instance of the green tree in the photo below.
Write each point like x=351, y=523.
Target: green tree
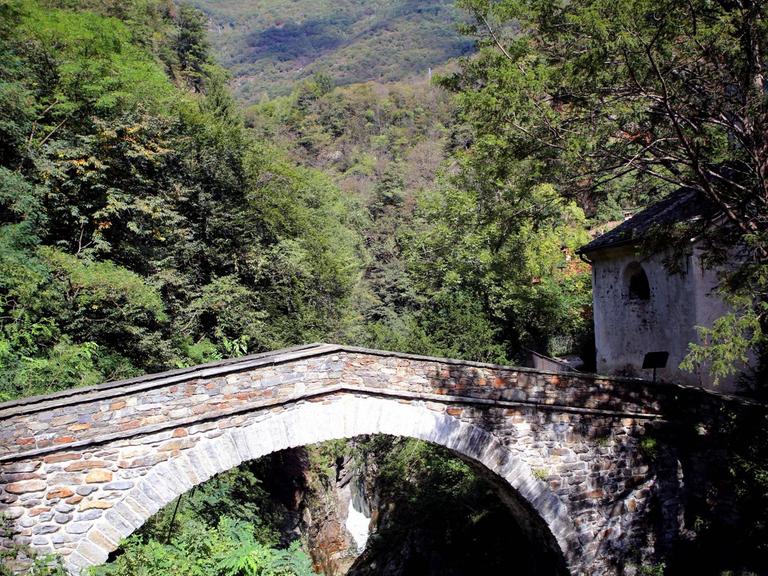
x=191, y=46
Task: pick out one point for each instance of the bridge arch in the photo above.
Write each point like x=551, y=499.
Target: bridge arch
x=310, y=422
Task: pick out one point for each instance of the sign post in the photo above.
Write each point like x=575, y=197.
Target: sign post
x=655, y=360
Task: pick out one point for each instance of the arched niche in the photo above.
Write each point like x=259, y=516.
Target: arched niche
x=637, y=285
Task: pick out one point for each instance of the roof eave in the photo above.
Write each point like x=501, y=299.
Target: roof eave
x=618, y=244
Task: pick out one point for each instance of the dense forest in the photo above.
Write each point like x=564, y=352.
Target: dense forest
x=438, y=273
x=149, y=220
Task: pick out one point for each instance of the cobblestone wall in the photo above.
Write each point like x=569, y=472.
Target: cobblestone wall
x=81, y=470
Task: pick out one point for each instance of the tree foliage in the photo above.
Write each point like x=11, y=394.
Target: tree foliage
x=227, y=526
x=229, y=548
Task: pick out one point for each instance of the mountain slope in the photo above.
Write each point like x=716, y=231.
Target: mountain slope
x=269, y=44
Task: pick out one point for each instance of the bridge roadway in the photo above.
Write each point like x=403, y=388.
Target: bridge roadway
x=83, y=468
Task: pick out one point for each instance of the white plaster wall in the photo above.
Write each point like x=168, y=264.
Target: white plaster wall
x=625, y=329
x=709, y=307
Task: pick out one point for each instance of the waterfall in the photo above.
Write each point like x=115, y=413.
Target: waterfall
x=358, y=523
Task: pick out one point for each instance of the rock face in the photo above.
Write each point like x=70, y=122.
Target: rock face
x=334, y=547
x=354, y=523
x=335, y=490
x=317, y=495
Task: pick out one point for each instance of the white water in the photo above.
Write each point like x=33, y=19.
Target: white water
x=357, y=525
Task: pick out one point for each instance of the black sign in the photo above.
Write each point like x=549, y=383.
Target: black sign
x=655, y=360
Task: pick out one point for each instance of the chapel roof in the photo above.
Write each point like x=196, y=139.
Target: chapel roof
x=682, y=205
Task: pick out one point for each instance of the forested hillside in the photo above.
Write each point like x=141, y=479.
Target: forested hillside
x=270, y=44
x=149, y=223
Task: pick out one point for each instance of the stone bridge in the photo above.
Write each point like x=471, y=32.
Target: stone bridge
x=82, y=469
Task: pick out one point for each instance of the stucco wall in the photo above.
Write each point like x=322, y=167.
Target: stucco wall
x=626, y=329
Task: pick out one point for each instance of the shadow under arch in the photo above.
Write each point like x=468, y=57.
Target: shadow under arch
x=304, y=423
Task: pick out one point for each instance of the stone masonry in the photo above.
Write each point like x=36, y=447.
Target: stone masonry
x=82, y=469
